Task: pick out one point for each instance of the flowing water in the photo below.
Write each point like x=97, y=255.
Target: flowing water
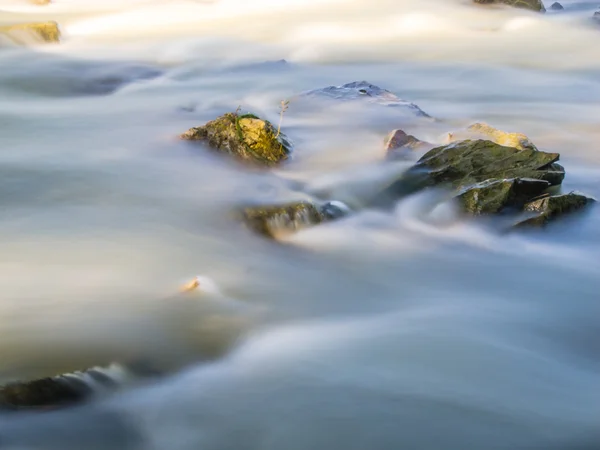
x=409, y=328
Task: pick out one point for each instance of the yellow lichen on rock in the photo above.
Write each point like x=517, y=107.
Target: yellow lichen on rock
x=481, y=130
x=43, y=31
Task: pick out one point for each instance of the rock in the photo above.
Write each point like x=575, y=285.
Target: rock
x=596, y=16
x=399, y=145
x=274, y=220
x=494, y=196
x=556, y=6
x=41, y=2
x=550, y=208
x=43, y=31
x=481, y=130
x=246, y=137
x=464, y=163
x=45, y=393
x=365, y=91
x=534, y=5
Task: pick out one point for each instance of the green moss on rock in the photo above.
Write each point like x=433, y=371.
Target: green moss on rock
x=44, y=31
x=534, y=5
x=549, y=208
x=245, y=137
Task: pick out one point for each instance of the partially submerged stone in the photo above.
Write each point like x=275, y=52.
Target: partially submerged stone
x=55, y=392
x=495, y=196
x=534, y=5
x=482, y=130
x=549, y=208
x=245, y=137
x=556, y=6
x=42, y=31
x=365, y=91
x=467, y=162
x=399, y=145
x=275, y=220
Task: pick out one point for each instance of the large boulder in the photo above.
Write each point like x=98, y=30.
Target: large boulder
x=549, y=208
x=273, y=221
x=24, y=32
x=243, y=136
x=534, y=5
x=464, y=163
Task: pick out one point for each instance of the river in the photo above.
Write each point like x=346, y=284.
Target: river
x=411, y=328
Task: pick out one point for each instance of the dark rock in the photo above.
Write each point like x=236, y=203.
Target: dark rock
x=596, y=16
x=464, y=163
x=556, y=6
x=534, y=5
x=494, y=196
x=45, y=393
x=275, y=220
x=399, y=145
x=549, y=208
x=365, y=91
x=246, y=137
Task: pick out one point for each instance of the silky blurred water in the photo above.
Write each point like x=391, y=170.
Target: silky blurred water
x=409, y=328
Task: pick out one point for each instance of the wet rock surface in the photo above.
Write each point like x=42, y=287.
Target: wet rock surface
x=495, y=196
x=550, y=208
x=473, y=161
x=534, y=5
x=245, y=137
x=482, y=130
x=556, y=6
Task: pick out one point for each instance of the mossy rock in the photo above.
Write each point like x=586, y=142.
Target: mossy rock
x=245, y=137
x=549, y=208
x=44, y=31
x=482, y=130
x=495, y=196
x=275, y=220
x=464, y=163
x=534, y=5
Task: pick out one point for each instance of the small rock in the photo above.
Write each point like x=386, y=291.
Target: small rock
x=464, y=163
x=41, y=2
x=494, y=196
x=246, y=137
x=399, y=145
x=43, y=31
x=534, y=5
x=596, y=16
x=556, y=6
x=365, y=91
x=482, y=130
x=550, y=208
x=275, y=220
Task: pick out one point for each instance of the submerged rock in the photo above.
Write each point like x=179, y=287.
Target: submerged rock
x=467, y=162
x=399, y=145
x=274, y=220
x=494, y=196
x=550, y=208
x=42, y=31
x=246, y=137
x=556, y=6
x=534, y=5
x=365, y=91
x=482, y=130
